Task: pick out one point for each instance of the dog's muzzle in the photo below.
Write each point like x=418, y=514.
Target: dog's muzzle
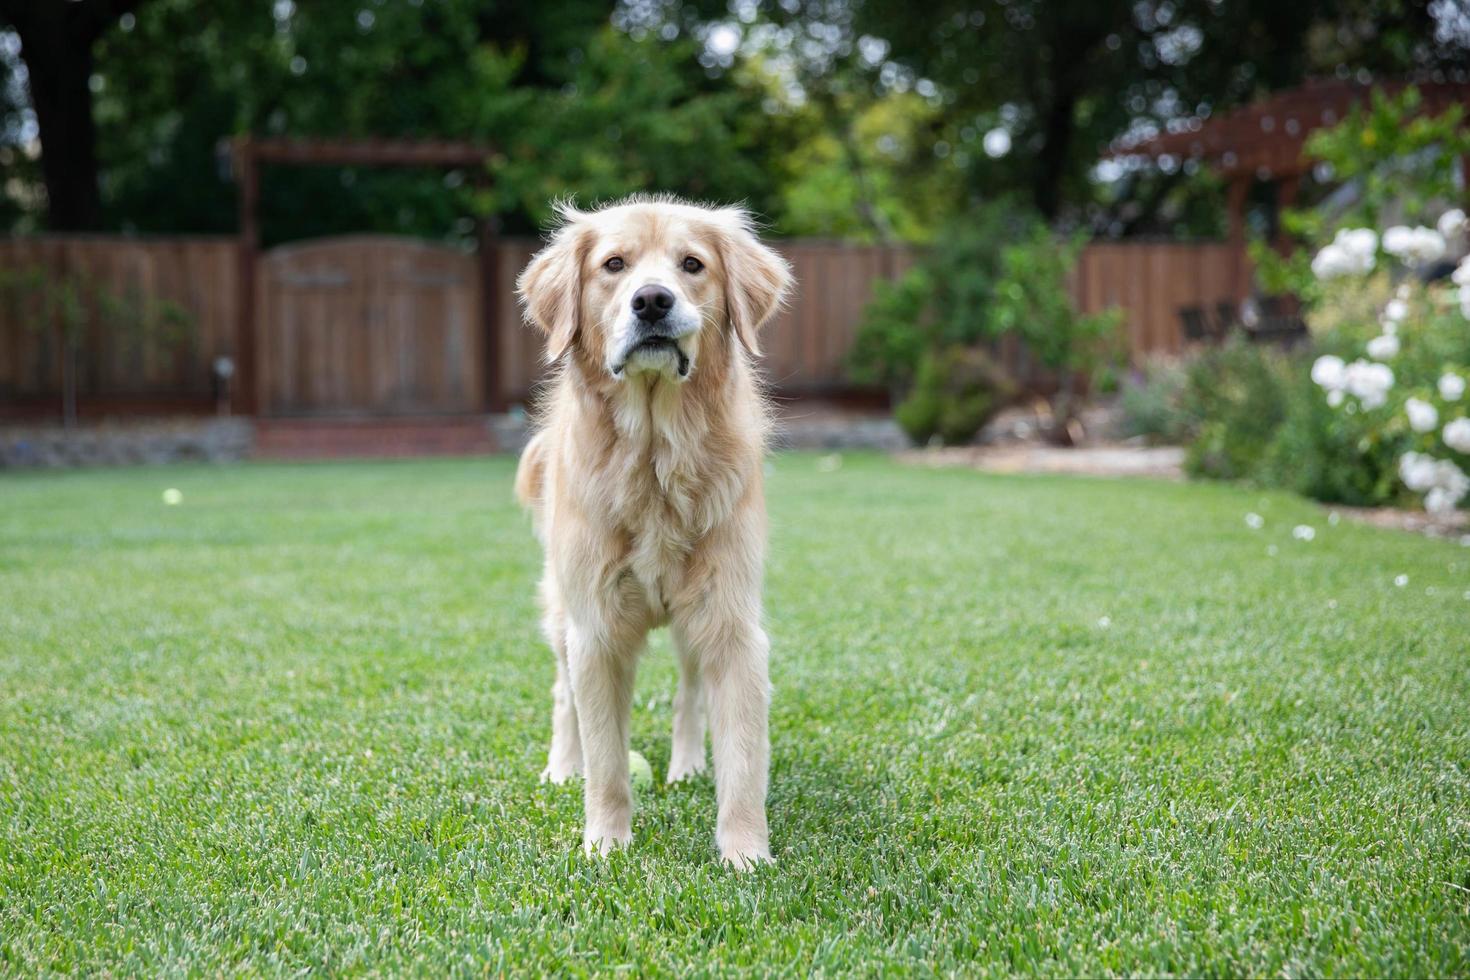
x=654, y=338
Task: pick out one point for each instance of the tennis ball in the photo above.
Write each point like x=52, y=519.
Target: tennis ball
x=640, y=770
x=172, y=497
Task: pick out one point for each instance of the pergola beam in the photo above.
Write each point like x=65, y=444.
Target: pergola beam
x=1267, y=139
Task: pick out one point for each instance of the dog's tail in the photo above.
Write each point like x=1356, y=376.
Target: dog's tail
x=531, y=473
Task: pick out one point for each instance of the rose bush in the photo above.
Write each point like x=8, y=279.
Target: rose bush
x=1376, y=412
x=1402, y=396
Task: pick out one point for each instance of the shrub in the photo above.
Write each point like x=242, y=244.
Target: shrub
x=1237, y=394
x=997, y=273
x=1152, y=404
x=956, y=391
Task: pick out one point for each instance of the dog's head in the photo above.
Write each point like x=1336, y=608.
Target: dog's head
x=649, y=285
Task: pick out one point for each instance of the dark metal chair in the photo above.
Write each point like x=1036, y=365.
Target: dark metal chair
x=1279, y=323
x=1227, y=317
x=1195, y=325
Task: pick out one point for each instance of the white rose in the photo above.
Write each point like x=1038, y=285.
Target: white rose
x=1396, y=239
x=1383, y=347
x=1417, y=471
x=1359, y=242
x=1440, y=501
x=1451, y=223
x=1368, y=382
x=1330, y=263
x=1457, y=435
x=1451, y=386
x=1461, y=275
x=1327, y=371
x=1450, y=487
x=1414, y=246
x=1423, y=417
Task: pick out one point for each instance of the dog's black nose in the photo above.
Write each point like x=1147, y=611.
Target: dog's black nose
x=652, y=303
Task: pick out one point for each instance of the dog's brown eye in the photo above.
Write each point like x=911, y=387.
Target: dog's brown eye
x=691, y=264
x=614, y=264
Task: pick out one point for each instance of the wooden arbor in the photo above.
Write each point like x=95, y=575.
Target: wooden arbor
x=1266, y=140
x=249, y=154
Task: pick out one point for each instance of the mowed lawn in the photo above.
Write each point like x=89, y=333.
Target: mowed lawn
x=1020, y=725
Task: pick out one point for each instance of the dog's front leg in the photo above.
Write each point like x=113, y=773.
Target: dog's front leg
x=734, y=654
x=602, y=665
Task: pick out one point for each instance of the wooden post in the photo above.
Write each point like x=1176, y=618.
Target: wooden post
x=1239, y=190
x=494, y=398
x=1287, y=189
x=247, y=376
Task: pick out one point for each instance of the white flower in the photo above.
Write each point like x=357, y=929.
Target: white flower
x=1465, y=301
x=1440, y=480
x=1330, y=263
x=1394, y=312
x=1413, y=246
x=1451, y=386
x=1368, y=382
x=1451, y=223
x=1457, y=435
x=1423, y=417
x=1417, y=471
x=1351, y=252
x=1400, y=580
x=1304, y=532
x=1254, y=521
x=1327, y=371
x=1335, y=398
x=1361, y=243
x=1440, y=501
x=1461, y=275
x=1383, y=346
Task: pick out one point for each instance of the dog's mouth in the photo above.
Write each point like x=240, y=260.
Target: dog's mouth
x=656, y=345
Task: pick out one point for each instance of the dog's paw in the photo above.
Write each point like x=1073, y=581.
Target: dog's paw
x=744, y=851
x=686, y=767
x=602, y=845
x=560, y=772
x=746, y=859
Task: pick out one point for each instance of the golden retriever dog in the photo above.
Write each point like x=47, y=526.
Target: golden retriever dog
x=644, y=479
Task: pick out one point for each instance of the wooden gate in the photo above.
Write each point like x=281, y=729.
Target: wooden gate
x=369, y=325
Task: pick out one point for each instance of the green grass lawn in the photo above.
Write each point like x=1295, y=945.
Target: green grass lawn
x=1020, y=724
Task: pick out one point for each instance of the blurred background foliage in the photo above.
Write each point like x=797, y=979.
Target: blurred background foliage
x=859, y=119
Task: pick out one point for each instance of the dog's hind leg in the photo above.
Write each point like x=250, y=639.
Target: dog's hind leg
x=565, y=758
x=688, y=758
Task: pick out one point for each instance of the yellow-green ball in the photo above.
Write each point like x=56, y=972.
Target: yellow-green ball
x=640, y=770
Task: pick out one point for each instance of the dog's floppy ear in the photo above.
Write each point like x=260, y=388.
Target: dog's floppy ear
x=757, y=279
x=550, y=287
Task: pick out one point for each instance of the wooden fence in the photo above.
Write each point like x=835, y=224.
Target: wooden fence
x=146, y=356
x=1151, y=281
x=806, y=348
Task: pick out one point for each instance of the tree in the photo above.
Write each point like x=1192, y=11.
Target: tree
x=1063, y=78
x=57, y=42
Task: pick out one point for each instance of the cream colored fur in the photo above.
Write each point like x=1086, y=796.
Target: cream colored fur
x=646, y=491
